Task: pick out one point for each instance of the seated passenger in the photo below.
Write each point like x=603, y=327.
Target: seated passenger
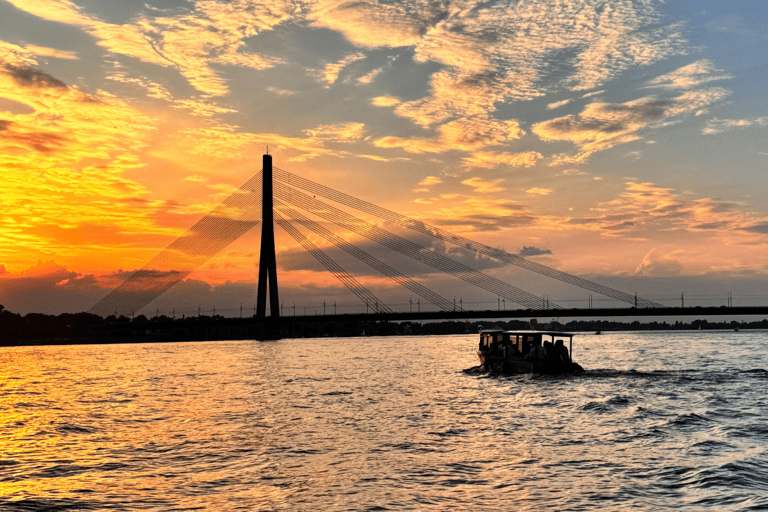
x=561, y=353
x=549, y=348
x=537, y=352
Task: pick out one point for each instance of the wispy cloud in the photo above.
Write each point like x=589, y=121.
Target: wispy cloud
x=537, y=191
x=482, y=186
x=429, y=181
x=693, y=75
x=344, y=132
x=385, y=101
x=646, y=207
x=489, y=160
x=656, y=265
x=528, y=252
x=192, y=43
x=369, y=77
x=715, y=126
x=558, y=104
x=601, y=126
x=461, y=134
x=280, y=92
x=330, y=73
x=44, y=51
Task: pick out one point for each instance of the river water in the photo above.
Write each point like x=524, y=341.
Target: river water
x=659, y=421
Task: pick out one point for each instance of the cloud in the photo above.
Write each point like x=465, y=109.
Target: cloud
x=330, y=73
x=228, y=142
x=384, y=101
x=715, y=126
x=489, y=160
x=601, y=126
x=493, y=54
x=646, y=209
x=480, y=214
x=693, y=75
x=368, y=78
x=653, y=265
x=458, y=135
x=497, y=53
x=528, y=252
x=30, y=77
x=343, y=132
x=536, y=191
x=196, y=178
x=370, y=24
x=44, y=51
x=280, y=92
x=481, y=186
x=212, y=34
x=153, y=89
x=47, y=287
x=558, y=104
x=429, y=181
x=66, y=157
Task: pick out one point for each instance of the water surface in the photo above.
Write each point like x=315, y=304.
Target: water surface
x=660, y=421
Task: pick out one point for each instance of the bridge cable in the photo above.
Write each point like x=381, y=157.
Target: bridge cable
x=227, y=222
x=433, y=231
x=342, y=275
x=424, y=292
x=406, y=247
x=445, y=264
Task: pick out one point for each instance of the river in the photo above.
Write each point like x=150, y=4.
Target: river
x=659, y=421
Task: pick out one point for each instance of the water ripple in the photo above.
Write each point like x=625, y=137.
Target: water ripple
x=660, y=421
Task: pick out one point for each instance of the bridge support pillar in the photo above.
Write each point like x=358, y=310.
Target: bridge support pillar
x=267, y=260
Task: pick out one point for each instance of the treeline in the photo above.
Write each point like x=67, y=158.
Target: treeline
x=37, y=328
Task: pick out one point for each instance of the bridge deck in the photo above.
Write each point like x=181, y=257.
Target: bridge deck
x=698, y=312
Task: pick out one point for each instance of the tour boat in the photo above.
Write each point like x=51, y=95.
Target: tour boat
x=516, y=352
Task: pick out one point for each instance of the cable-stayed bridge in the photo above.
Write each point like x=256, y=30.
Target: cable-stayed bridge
x=275, y=196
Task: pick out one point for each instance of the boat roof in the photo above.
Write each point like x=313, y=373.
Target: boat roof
x=524, y=332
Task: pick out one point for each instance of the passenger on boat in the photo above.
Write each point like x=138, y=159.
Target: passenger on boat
x=561, y=352
x=550, y=349
x=537, y=352
x=510, y=351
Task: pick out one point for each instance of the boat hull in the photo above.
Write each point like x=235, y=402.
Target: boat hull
x=519, y=366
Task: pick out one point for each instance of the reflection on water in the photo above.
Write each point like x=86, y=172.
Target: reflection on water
x=660, y=420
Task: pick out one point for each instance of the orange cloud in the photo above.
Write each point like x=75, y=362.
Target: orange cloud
x=385, y=101
x=481, y=186
x=459, y=135
x=330, y=73
x=490, y=160
x=536, y=191
x=344, y=132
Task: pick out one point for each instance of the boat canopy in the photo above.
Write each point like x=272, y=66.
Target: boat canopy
x=522, y=340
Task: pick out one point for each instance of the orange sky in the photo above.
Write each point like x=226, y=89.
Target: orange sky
x=620, y=141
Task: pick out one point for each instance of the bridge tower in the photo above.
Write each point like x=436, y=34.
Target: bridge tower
x=267, y=260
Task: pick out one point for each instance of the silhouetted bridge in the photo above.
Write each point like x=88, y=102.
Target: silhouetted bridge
x=275, y=196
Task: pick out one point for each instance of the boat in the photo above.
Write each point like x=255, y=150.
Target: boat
x=518, y=352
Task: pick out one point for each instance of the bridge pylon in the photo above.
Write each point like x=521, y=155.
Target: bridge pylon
x=267, y=260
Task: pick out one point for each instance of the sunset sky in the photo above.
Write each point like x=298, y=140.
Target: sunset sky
x=625, y=141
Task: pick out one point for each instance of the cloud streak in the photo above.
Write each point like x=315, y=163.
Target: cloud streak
x=601, y=126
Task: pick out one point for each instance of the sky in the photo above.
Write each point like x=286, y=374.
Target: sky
x=624, y=141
